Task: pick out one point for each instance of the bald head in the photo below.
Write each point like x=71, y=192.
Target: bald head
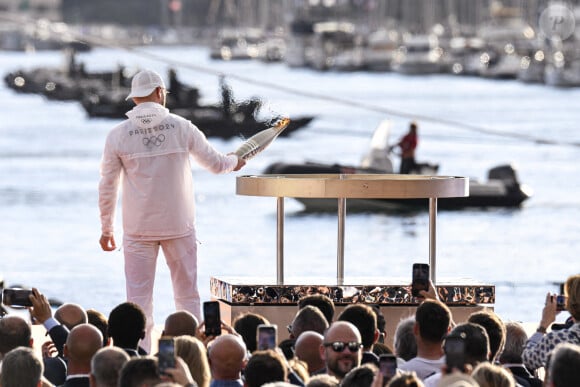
x=82, y=343
x=180, y=323
x=71, y=315
x=306, y=349
x=342, y=331
x=226, y=357
x=14, y=332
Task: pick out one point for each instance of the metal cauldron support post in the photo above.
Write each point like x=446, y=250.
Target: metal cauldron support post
x=340, y=247
x=432, y=238
x=280, y=241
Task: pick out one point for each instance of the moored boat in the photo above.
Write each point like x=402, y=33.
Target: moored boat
x=226, y=119
x=501, y=189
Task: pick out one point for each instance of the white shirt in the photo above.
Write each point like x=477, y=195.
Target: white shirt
x=423, y=367
x=150, y=154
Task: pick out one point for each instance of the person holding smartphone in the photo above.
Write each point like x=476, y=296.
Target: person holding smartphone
x=540, y=344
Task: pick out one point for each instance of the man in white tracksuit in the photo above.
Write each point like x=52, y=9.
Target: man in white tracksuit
x=151, y=152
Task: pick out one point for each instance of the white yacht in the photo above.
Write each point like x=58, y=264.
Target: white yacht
x=418, y=54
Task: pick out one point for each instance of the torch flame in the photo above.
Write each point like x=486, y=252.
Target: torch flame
x=282, y=123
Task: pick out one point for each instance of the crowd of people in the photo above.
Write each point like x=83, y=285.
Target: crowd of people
x=321, y=349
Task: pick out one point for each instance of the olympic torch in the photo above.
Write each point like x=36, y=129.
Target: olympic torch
x=260, y=141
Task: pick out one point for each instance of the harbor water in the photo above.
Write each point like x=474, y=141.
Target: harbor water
x=49, y=172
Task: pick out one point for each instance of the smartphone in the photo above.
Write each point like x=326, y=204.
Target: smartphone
x=420, y=278
x=560, y=302
x=16, y=297
x=454, y=353
x=267, y=336
x=166, y=354
x=388, y=367
x=212, y=318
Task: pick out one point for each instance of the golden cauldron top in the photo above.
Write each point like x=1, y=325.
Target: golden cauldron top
x=373, y=186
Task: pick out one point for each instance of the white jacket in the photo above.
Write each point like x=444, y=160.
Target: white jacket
x=150, y=151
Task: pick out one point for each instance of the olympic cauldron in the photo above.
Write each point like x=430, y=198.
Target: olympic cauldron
x=276, y=299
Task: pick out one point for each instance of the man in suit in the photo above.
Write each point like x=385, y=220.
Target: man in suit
x=127, y=324
x=58, y=330
x=81, y=345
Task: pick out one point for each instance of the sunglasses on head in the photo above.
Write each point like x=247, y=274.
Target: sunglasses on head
x=339, y=346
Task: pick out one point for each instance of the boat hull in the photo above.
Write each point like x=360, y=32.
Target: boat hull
x=374, y=205
x=501, y=191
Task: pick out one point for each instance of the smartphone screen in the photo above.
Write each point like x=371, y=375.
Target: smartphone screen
x=16, y=297
x=388, y=367
x=560, y=302
x=267, y=336
x=212, y=318
x=455, y=353
x=420, y=278
x=166, y=354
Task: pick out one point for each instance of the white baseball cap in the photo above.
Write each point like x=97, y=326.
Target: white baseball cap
x=144, y=82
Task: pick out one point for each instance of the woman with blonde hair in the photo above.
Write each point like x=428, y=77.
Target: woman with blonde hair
x=491, y=375
x=194, y=353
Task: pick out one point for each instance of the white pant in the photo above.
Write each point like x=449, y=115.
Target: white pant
x=140, y=265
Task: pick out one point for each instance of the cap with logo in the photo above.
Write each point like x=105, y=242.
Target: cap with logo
x=144, y=82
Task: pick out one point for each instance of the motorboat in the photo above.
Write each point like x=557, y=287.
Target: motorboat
x=226, y=119
x=502, y=188
x=102, y=95
x=64, y=84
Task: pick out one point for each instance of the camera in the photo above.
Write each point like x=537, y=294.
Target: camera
x=420, y=279
x=212, y=318
x=267, y=336
x=16, y=297
x=166, y=354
